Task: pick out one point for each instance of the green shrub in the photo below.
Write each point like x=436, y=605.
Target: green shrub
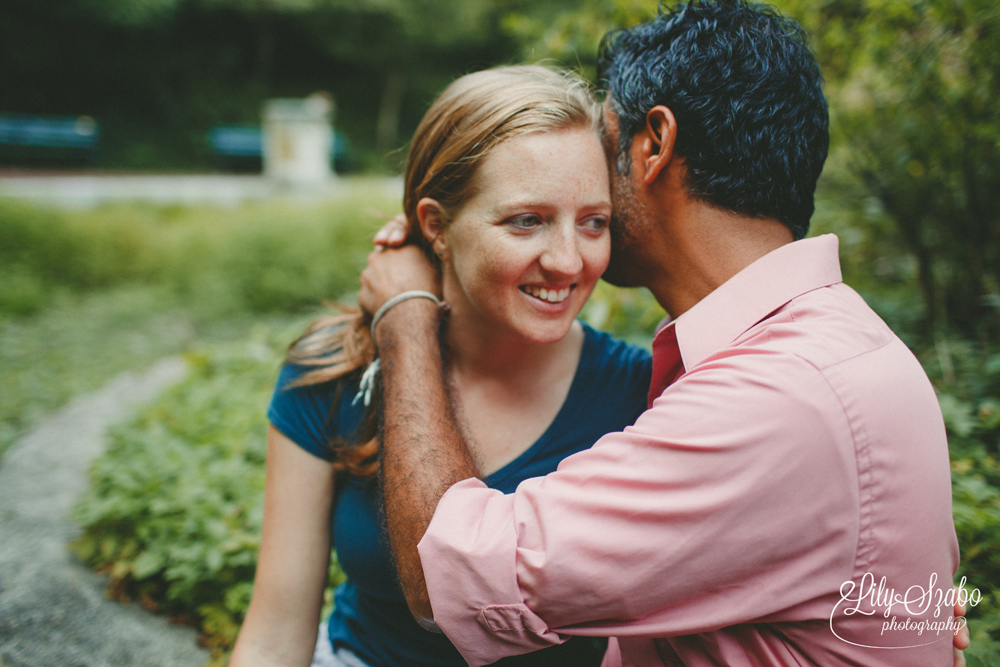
x=968, y=380
x=631, y=314
x=174, y=510
x=75, y=250
x=260, y=257
x=88, y=294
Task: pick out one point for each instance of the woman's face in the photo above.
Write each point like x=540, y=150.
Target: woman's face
x=522, y=255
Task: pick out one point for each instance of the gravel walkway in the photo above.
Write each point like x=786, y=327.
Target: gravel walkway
x=52, y=609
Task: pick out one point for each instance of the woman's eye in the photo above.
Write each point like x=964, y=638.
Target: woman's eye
x=525, y=221
x=595, y=222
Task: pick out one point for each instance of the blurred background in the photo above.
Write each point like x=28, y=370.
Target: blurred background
x=114, y=88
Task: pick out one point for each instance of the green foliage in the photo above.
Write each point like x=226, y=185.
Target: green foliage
x=571, y=34
x=872, y=259
x=174, y=510
x=77, y=344
x=89, y=294
x=968, y=381
x=260, y=257
x=912, y=89
x=631, y=314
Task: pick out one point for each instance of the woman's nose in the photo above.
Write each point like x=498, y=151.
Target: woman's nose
x=562, y=252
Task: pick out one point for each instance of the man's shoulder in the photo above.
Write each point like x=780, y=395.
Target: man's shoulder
x=823, y=327
x=816, y=354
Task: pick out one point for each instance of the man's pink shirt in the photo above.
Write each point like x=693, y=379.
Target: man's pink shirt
x=792, y=445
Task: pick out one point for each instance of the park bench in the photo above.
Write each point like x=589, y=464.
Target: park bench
x=47, y=140
x=240, y=148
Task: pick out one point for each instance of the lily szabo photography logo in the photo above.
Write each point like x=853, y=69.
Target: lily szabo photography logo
x=913, y=617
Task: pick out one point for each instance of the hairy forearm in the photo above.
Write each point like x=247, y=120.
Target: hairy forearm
x=423, y=452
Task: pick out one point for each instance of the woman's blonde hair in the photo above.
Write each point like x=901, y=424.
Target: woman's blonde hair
x=472, y=116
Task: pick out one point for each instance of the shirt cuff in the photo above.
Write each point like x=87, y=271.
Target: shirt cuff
x=469, y=558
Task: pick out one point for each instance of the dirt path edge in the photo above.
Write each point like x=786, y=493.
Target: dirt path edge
x=52, y=609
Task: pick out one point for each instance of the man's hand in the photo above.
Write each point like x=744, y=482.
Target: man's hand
x=423, y=452
x=391, y=272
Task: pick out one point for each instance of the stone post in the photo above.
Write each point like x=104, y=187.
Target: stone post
x=298, y=140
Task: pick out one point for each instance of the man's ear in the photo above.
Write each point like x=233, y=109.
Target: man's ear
x=432, y=220
x=657, y=141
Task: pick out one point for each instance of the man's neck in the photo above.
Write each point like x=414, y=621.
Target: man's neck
x=703, y=247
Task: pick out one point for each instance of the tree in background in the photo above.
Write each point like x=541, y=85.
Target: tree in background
x=571, y=33
x=914, y=89
x=157, y=74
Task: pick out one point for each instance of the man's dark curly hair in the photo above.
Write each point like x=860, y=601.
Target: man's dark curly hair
x=746, y=91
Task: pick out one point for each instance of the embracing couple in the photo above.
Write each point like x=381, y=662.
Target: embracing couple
x=770, y=487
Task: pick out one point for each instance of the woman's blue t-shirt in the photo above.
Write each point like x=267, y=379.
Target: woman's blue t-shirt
x=371, y=617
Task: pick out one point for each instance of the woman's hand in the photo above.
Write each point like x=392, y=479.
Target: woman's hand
x=393, y=271
x=961, y=638
x=393, y=233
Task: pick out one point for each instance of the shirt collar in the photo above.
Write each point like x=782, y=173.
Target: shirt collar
x=751, y=295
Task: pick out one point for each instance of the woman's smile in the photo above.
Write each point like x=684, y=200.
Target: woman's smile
x=548, y=295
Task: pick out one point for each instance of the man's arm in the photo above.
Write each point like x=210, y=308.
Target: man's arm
x=423, y=452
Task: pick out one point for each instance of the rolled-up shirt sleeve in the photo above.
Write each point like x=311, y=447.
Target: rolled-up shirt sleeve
x=470, y=563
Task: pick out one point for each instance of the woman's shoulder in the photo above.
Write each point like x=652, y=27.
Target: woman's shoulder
x=313, y=414
x=612, y=380
x=608, y=354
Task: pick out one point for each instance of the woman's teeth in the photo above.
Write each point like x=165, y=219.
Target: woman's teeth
x=552, y=296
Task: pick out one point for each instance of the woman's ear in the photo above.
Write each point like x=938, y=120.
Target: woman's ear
x=432, y=220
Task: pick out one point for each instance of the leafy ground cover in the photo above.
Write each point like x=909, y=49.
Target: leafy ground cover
x=968, y=386
x=174, y=511
x=77, y=344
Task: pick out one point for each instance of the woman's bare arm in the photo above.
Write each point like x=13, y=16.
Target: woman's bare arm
x=281, y=624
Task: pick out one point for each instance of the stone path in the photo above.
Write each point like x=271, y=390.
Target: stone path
x=89, y=190
x=83, y=190
x=52, y=609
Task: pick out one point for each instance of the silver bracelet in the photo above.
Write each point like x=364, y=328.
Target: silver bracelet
x=367, y=384
x=398, y=299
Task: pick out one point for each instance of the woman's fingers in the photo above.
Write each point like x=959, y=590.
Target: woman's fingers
x=961, y=640
x=393, y=233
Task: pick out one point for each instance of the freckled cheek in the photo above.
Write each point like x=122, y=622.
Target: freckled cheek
x=597, y=255
x=491, y=270
x=504, y=260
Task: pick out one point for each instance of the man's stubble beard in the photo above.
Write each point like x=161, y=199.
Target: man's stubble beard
x=629, y=220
